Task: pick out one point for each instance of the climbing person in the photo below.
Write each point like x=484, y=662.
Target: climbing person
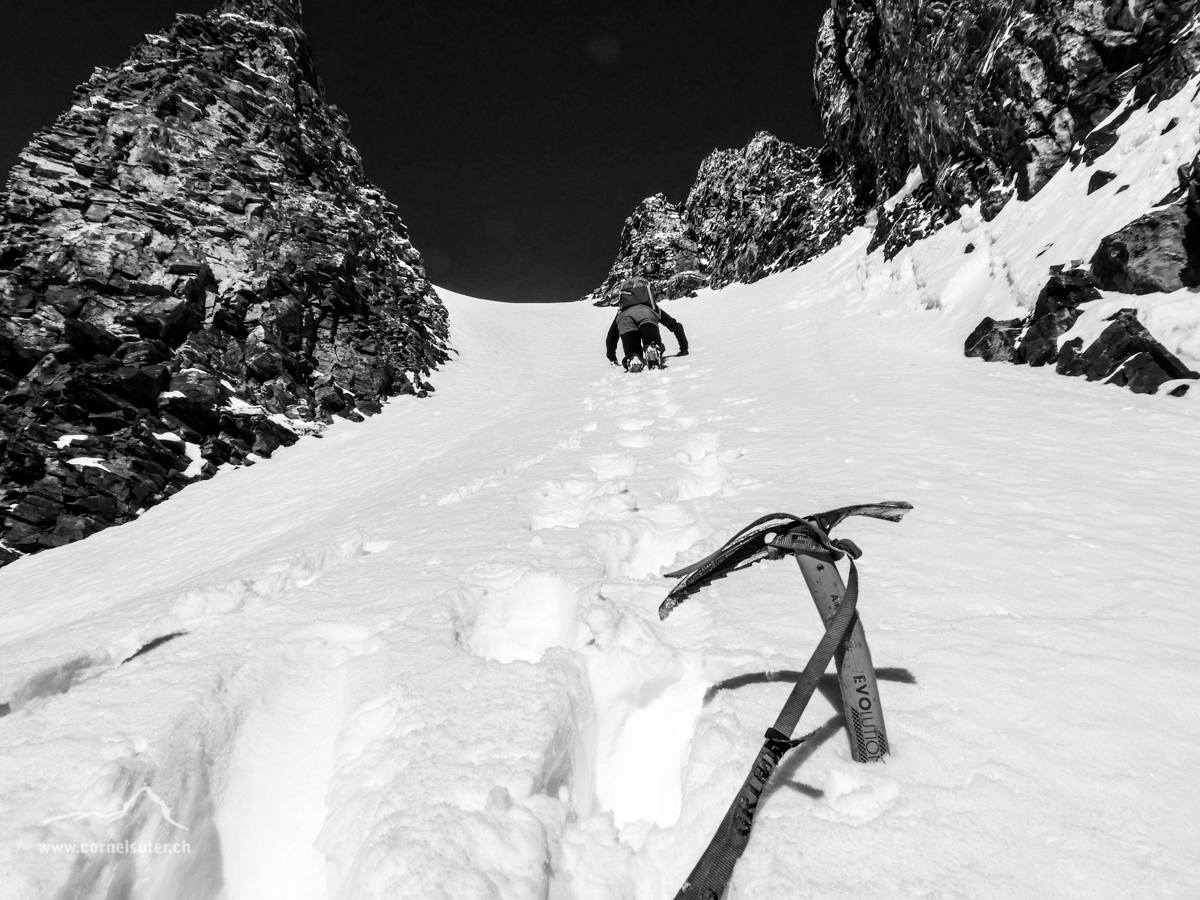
x=636, y=326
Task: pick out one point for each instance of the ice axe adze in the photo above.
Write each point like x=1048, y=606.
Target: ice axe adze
x=773, y=537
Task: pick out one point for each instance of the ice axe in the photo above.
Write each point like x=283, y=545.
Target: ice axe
x=807, y=539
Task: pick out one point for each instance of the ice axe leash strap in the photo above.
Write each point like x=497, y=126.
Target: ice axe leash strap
x=711, y=874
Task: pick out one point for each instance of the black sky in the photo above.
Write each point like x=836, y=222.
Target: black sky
x=514, y=137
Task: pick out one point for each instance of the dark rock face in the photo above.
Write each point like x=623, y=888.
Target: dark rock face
x=658, y=245
x=767, y=207
x=750, y=212
x=1158, y=252
x=1099, y=179
x=995, y=341
x=914, y=217
x=193, y=268
x=1125, y=353
x=980, y=94
x=1056, y=310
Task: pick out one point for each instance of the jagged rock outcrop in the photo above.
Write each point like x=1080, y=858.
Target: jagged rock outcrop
x=766, y=207
x=995, y=340
x=193, y=271
x=1033, y=340
x=1158, y=252
x=657, y=244
x=906, y=218
x=769, y=206
x=1054, y=314
x=1124, y=353
x=981, y=95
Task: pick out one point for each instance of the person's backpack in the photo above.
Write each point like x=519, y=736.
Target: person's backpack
x=637, y=291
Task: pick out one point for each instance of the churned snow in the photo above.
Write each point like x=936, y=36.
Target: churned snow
x=420, y=657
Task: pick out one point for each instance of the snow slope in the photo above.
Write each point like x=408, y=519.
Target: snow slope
x=421, y=656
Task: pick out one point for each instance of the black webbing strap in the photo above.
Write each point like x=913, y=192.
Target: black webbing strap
x=711, y=874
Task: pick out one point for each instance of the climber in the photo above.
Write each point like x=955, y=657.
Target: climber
x=636, y=324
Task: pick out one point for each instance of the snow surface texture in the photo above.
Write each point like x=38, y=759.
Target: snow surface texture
x=420, y=657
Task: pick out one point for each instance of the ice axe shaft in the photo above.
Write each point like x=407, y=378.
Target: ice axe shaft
x=856, y=672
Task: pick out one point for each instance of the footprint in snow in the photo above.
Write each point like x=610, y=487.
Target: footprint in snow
x=669, y=410
x=698, y=446
x=569, y=504
x=635, y=424
x=518, y=613
x=634, y=441
x=645, y=543
x=701, y=479
x=612, y=465
x=855, y=798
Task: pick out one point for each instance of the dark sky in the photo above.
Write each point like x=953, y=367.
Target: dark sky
x=515, y=137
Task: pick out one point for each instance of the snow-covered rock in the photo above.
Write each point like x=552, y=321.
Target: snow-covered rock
x=1124, y=352
x=1157, y=253
x=196, y=228
x=981, y=94
x=1160, y=252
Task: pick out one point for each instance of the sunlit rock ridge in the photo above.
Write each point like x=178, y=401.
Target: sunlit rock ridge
x=926, y=107
x=194, y=270
x=766, y=207
x=986, y=99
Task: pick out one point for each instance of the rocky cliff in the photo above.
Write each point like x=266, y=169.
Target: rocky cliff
x=768, y=206
x=657, y=244
x=928, y=106
x=986, y=98
x=194, y=270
